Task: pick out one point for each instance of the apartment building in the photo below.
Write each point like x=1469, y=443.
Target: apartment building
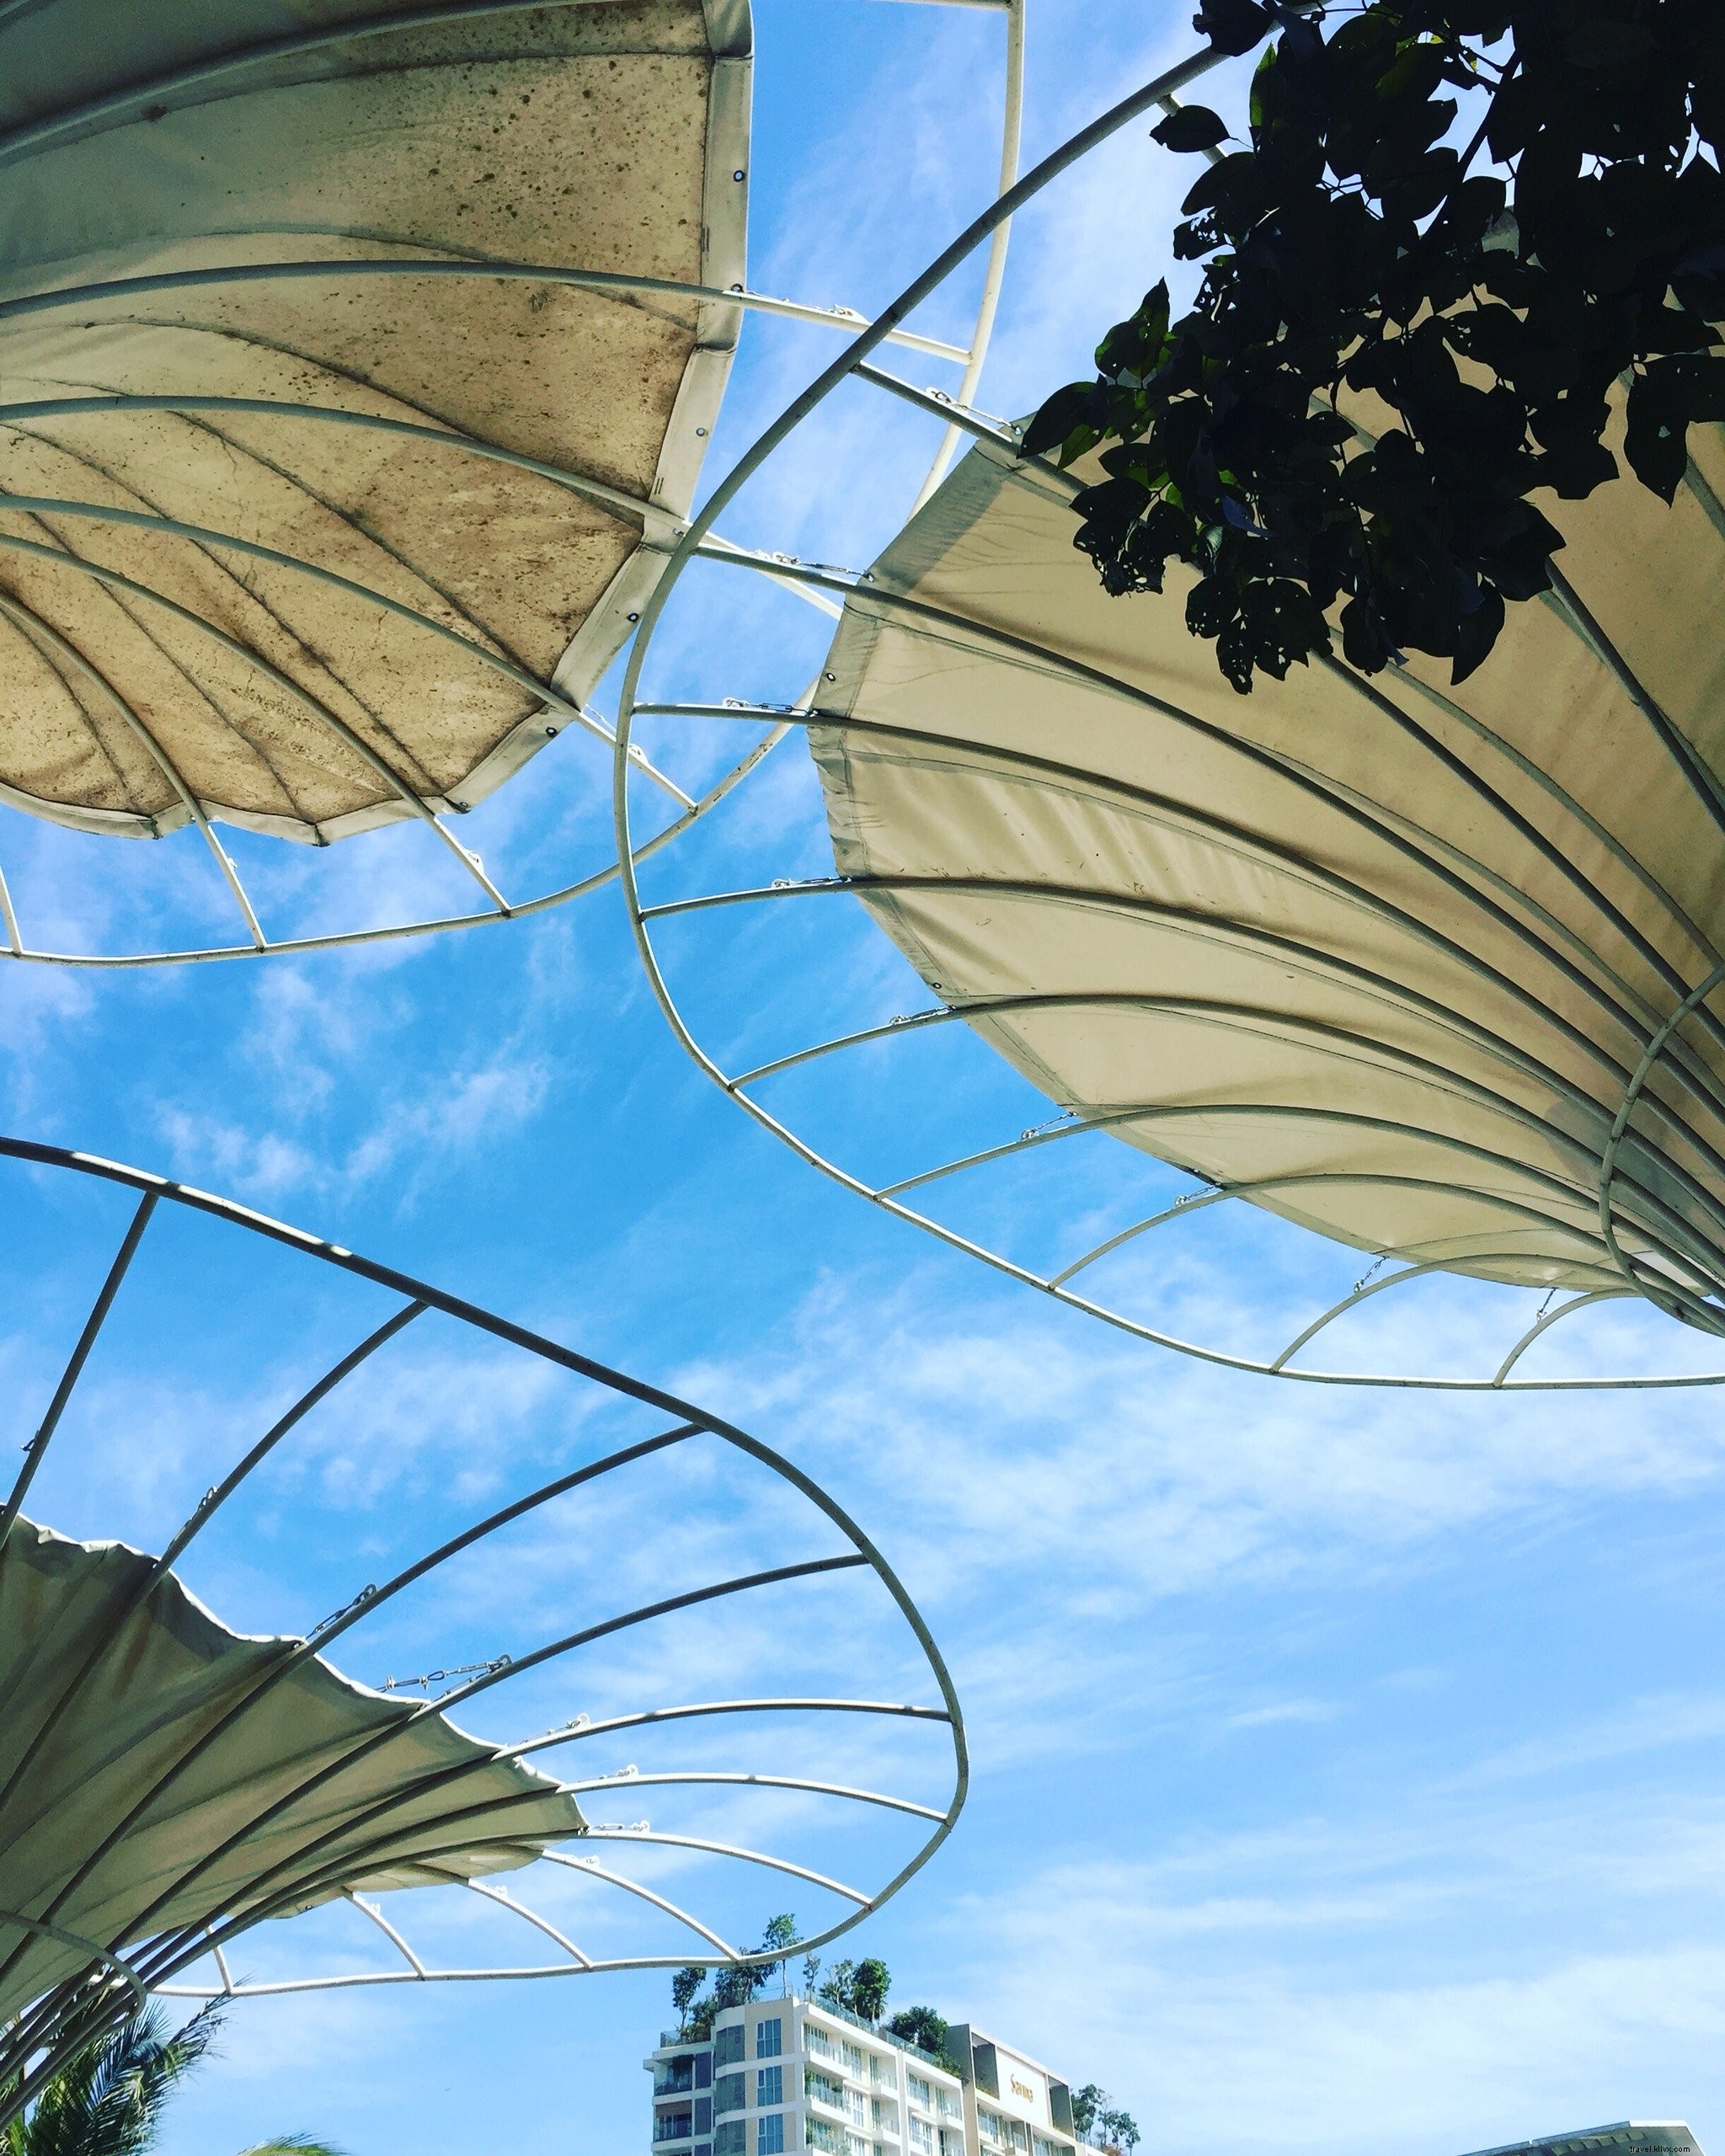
x=787, y=2074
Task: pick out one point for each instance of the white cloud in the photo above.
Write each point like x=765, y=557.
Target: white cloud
x=446, y=1114
x=1033, y=1435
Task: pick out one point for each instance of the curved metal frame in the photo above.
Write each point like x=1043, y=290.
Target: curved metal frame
x=1674, y=1266
x=660, y=529
x=116, y=1972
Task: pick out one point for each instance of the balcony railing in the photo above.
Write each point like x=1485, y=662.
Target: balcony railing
x=881, y=2036
x=675, y=2126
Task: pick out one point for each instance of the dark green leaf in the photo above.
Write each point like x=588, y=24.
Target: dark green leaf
x=1068, y=409
x=1232, y=25
x=1342, y=251
x=1191, y=127
x=1479, y=630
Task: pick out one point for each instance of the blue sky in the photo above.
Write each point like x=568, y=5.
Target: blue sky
x=1346, y=1764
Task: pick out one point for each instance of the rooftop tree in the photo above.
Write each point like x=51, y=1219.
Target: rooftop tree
x=922, y=2026
x=1087, y=2103
x=1118, y=2131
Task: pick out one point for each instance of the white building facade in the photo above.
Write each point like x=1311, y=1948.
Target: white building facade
x=782, y=2075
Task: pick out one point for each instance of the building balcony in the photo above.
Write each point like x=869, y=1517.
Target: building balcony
x=674, y=2126
x=877, y=2035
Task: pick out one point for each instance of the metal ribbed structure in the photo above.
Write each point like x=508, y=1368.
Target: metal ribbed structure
x=351, y=373
x=1423, y=967
x=170, y=1785
x=281, y=1784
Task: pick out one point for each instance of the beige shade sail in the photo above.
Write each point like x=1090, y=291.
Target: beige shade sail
x=297, y=547
x=1392, y=958
x=161, y=1771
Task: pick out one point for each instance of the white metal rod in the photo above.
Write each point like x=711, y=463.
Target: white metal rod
x=727, y=1849
x=229, y=542
x=620, y=284
x=611, y=1782
x=32, y=624
x=389, y=1931
x=576, y=1732
x=995, y=274
x=594, y=1869
x=13, y=937
x=529, y=1916
x=114, y=580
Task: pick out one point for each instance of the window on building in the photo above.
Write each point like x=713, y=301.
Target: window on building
x=919, y=2093
x=703, y=2148
x=988, y=2125
x=673, y=2126
x=769, y=2038
x=821, y=2088
x=732, y=2138
x=703, y=2114
x=703, y=2069
x=882, y=2073
x=946, y=2103
x=884, y=2117
x=770, y=2085
x=922, y=2136
x=823, y=2135
x=769, y=2135
x=731, y=2092
x=728, y=2047
x=853, y=2059
x=1040, y=2147
x=816, y=2041
x=952, y=2141
x=1017, y=2132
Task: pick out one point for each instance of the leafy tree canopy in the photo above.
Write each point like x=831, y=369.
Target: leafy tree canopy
x=732, y=1987
x=1087, y=2103
x=869, y=1988
x=1095, y=2119
x=781, y=1931
x=1349, y=247
x=922, y=2026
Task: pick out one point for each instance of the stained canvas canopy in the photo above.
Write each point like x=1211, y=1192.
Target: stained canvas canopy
x=246, y=525
x=1388, y=956
x=156, y=1767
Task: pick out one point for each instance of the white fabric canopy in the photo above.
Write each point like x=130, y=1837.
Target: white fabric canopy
x=108, y=1700
x=1385, y=953
x=148, y=142
x=1628, y=2137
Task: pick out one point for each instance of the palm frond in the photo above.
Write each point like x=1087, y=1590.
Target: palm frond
x=293, y=2144
x=107, y=2099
